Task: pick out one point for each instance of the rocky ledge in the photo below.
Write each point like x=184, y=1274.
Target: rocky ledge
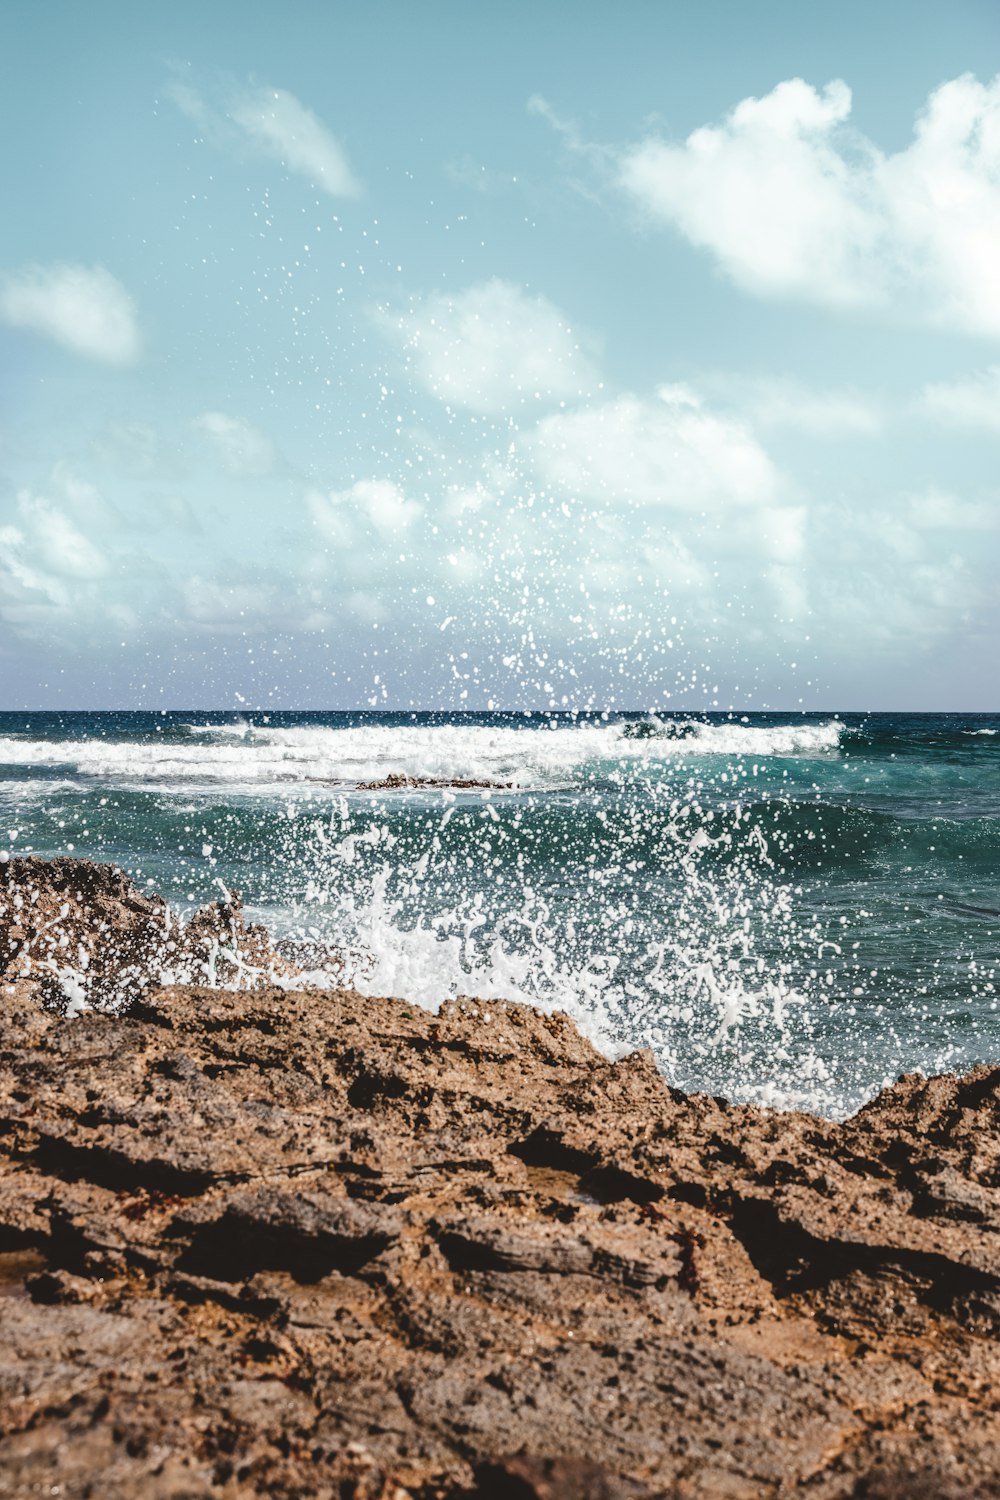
x=289, y=1242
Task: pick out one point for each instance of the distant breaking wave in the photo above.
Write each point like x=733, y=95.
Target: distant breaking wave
x=698, y=737
x=264, y=756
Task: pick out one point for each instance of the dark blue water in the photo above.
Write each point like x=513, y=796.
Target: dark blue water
x=785, y=907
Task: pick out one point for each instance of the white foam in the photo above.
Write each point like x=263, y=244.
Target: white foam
x=696, y=988
x=765, y=740
x=540, y=756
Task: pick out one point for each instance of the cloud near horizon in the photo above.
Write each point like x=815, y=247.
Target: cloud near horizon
x=83, y=308
x=792, y=202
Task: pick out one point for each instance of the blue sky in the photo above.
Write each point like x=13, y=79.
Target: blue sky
x=534, y=355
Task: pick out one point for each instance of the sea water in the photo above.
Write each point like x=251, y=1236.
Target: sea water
x=786, y=908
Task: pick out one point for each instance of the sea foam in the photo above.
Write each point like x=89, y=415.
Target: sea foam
x=262, y=758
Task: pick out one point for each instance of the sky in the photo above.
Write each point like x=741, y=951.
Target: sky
x=522, y=355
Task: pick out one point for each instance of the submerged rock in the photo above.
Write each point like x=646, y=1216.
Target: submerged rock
x=399, y=782
x=304, y=1243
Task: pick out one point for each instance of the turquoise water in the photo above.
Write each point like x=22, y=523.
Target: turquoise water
x=785, y=908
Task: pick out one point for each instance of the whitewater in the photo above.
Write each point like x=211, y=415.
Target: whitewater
x=785, y=908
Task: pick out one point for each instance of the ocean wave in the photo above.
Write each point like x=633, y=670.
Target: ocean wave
x=763, y=740
x=538, y=757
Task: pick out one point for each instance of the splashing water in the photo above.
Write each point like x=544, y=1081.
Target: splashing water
x=763, y=902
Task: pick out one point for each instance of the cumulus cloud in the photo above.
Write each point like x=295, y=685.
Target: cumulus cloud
x=84, y=308
x=66, y=550
x=492, y=348
x=966, y=403
x=275, y=124
x=375, y=502
x=243, y=449
x=794, y=203
x=27, y=592
x=49, y=567
x=666, y=451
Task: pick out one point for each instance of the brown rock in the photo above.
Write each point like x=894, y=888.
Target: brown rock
x=80, y=934
x=397, y=782
x=305, y=1243
x=523, y=1478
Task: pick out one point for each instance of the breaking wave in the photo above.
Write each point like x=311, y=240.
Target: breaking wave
x=786, y=909
x=529, y=757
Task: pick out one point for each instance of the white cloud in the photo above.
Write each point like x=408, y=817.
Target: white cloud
x=786, y=403
x=282, y=127
x=26, y=591
x=939, y=511
x=794, y=203
x=242, y=448
x=669, y=451
x=274, y=124
x=49, y=568
x=376, y=501
x=788, y=586
x=886, y=582
x=782, y=531
x=966, y=403
x=83, y=308
x=213, y=601
x=331, y=516
x=492, y=348
x=672, y=562
x=190, y=103
x=66, y=550
x=387, y=506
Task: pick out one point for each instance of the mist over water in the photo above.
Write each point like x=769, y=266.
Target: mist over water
x=785, y=908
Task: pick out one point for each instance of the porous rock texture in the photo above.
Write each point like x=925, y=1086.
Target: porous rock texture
x=305, y=1243
x=79, y=934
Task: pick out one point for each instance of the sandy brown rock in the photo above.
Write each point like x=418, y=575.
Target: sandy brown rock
x=312, y=1244
x=77, y=934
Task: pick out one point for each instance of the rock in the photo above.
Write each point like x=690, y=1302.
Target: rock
x=286, y=1242
x=79, y=934
x=523, y=1478
x=397, y=782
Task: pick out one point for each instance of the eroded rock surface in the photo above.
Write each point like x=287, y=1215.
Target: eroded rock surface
x=78, y=934
x=293, y=1243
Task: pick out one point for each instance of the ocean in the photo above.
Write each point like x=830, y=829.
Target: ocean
x=790, y=909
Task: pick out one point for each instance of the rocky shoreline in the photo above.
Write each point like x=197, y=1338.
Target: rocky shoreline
x=283, y=1241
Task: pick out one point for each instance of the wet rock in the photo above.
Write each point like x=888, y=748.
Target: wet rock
x=79, y=934
x=398, y=782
